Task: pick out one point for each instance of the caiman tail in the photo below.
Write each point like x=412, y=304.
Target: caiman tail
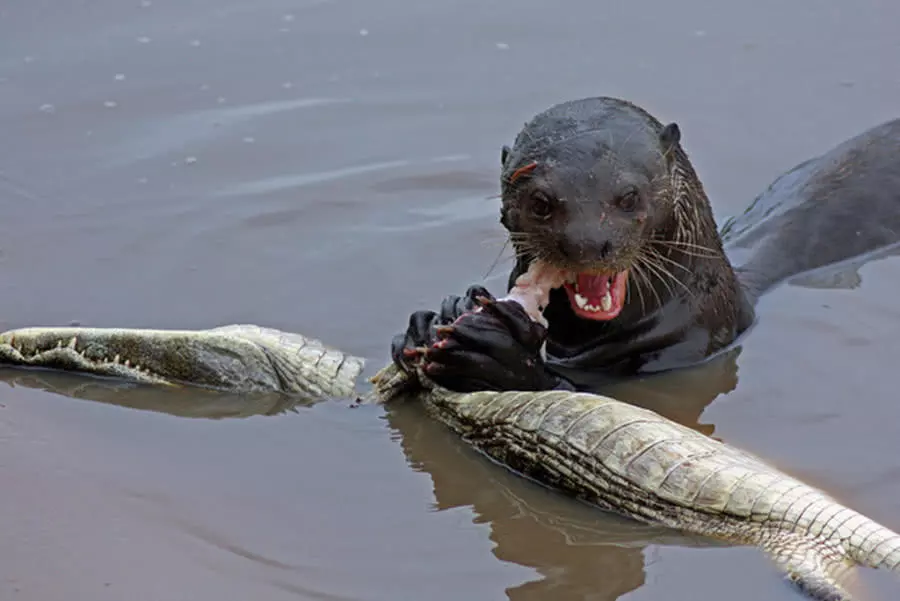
x=635, y=462
x=820, y=556
x=616, y=456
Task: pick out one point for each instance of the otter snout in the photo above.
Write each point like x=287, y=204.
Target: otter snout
x=581, y=250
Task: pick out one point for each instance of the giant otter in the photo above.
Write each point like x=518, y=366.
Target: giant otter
x=600, y=187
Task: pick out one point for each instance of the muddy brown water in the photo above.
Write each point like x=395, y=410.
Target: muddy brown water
x=325, y=167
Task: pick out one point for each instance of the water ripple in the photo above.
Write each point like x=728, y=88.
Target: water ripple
x=286, y=182
x=160, y=136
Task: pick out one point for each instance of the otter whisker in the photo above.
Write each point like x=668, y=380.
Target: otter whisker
x=659, y=255
x=654, y=269
x=688, y=248
x=675, y=279
x=633, y=284
x=661, y=270
x=696, y=255
x=640, y=272
x=496, y=259
x=492, y=238
x=683, y=243
x=525, y=246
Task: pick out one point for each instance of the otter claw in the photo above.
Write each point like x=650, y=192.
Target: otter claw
x=443, y=330
x=412, y=353
x=484, y=300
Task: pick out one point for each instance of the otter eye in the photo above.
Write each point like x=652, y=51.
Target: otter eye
x=628, y=201
x=541, y=206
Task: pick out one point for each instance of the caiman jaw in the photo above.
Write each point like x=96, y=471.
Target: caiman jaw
x=42, y=351
x=598, y=297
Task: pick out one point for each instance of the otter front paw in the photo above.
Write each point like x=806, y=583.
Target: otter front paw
x=421, y=332
x=497, y=348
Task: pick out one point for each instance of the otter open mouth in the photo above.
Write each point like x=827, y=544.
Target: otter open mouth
x=599, y=297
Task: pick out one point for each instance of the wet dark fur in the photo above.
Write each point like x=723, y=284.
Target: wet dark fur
x=685, y=301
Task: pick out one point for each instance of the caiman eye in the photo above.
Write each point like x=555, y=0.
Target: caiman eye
x=541, y=206
x=628, y=201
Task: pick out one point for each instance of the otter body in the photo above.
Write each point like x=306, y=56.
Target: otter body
x=603, y=189
x=683, y=301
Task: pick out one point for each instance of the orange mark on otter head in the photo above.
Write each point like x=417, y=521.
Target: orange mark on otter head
x=521, y=171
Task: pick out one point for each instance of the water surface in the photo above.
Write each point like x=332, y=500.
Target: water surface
x=326, y=167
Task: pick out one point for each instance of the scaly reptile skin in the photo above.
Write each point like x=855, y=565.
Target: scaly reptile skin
x=237, y=358
x=617, y=456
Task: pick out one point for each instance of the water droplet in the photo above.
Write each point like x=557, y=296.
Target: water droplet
x=204, y=87
x=29, y=59
x=288, y=18
x=502, y=46
x=220, y=100
x=363, y=32
x=699, y=33
x=190, y=160
x=110, y=104
x=143, y=40
x=287, y=85
x=142, y=180
x=47, y=108
x=249, y=140
x=119, y=77
x=146, y=3
x=195, y=43
x=285, y=30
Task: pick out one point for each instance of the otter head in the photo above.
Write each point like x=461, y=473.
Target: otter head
x=585, y=189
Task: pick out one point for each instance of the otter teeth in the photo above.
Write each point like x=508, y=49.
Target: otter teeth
x=606, y=301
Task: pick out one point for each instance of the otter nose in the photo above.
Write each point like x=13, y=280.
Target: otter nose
x=571, y=250
x=585, y=250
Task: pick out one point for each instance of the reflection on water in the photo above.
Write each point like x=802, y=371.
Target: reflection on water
x=845, y=275
x=580, y=552
x=180, y=402
x=329, y=166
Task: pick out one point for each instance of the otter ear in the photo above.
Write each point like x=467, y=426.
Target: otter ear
x=504, y=152
x=670, y=137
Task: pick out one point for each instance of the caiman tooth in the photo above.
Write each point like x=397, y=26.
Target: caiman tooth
x=127, y=363
x=117, y=359
x=72, y=342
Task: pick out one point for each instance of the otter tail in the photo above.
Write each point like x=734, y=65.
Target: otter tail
x=834, y=212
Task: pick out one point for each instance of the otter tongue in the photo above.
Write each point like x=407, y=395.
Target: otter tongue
x=593, y=287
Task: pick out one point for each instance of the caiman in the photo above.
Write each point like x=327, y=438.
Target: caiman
x=619, y=457
x=613, y=455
